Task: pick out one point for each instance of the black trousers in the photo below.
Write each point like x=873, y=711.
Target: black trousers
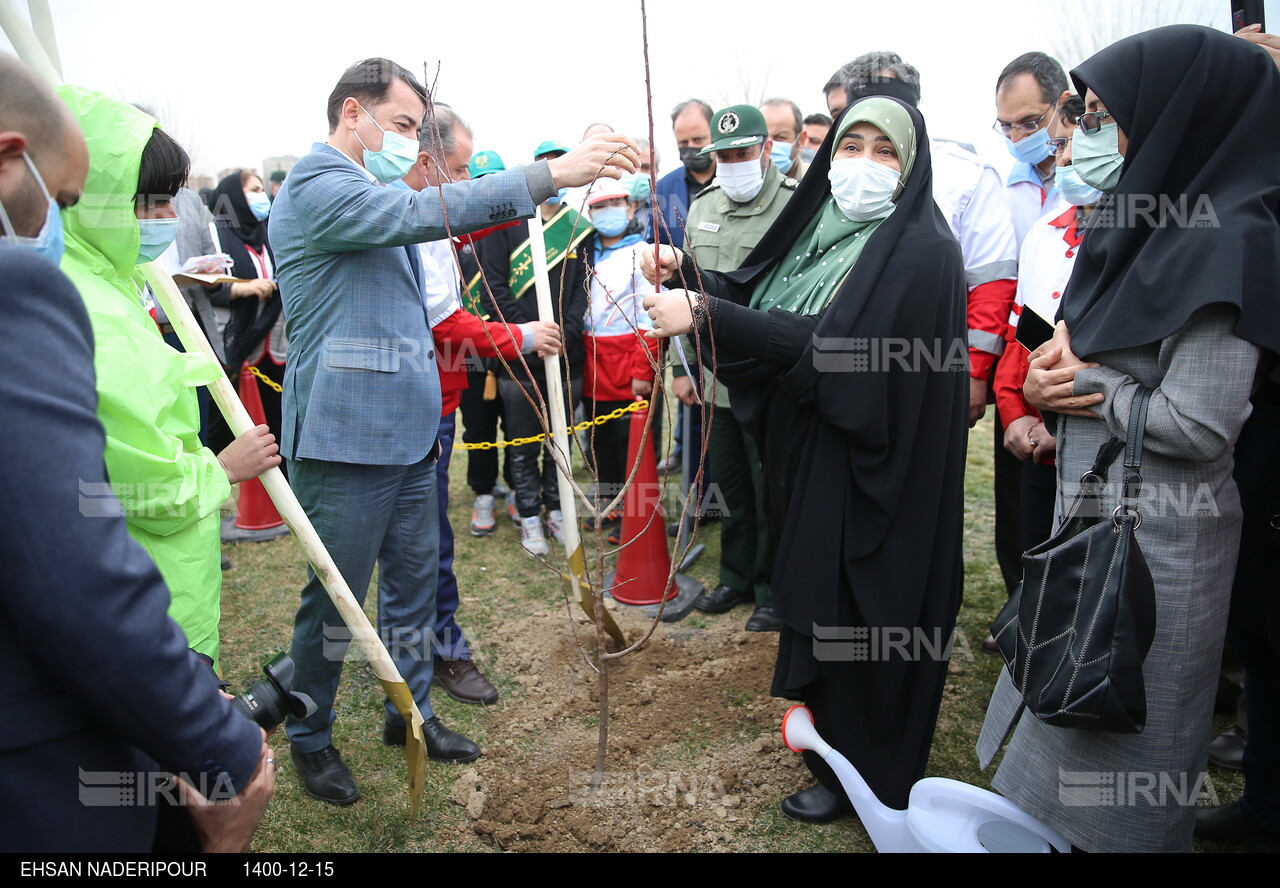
x=532, y=468
x=480, y=423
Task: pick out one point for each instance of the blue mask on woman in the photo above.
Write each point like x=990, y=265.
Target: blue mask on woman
x=259, y=204
x=154, y=236
x=1097, y=158
x=610, y=221
x=1074, y=189
x=780, y=154
x=1033, y=149
x=50, y=242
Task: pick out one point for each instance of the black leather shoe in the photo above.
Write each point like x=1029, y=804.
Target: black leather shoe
x=443, y=745
x=763, y=619
x=817, y=804
x=1227, y=749
x=324, y=776
x=719, y=600
x=1233, y=823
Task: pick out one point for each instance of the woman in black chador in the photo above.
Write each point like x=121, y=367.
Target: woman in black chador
x=842, y=341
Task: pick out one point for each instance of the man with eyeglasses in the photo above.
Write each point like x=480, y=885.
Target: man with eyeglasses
x=1030, y=95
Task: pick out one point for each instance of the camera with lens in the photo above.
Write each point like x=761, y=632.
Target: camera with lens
x=269, y=701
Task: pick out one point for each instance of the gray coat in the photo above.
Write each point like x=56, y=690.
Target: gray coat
x=1138, y=792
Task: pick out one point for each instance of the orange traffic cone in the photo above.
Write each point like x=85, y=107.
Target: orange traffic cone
x=640, y=578
x=256, y=517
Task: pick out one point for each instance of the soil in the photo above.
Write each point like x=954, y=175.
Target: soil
x=695, y=758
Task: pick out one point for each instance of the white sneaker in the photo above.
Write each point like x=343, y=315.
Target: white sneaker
x=531, y=536
x=555, y=525
x=482, y=520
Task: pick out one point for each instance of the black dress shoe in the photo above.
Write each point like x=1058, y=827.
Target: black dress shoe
x=817, y=804
x=443, y=745
x=1227, y=749
x=324, y=776
x=763, y=619
x=1233, y=823
x=719, y=600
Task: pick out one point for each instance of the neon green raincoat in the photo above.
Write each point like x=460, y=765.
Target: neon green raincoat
x=169, y=485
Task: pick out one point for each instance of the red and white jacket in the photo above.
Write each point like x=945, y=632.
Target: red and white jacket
x=1044, y=267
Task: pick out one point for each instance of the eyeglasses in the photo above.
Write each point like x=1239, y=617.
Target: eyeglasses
x=1091, y=122
x=1057, y=146
x=1026, y=127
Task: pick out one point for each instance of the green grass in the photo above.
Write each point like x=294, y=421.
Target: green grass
x=499, y=582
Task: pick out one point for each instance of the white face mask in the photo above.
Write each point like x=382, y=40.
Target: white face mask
x=740, y=181
x=863, y=189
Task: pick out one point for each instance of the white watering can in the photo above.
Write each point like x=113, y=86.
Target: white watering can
x=942, y=816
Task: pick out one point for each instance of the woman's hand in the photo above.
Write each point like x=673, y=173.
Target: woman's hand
x=671, y=313
x=1269, y=42
x=261, y=289
x=1051, y=376
x=667, y=262
x=250, y=455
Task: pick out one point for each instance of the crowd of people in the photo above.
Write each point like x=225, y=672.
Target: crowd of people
x=386, y=284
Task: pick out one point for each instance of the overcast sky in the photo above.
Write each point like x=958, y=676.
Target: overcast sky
x=241, y=80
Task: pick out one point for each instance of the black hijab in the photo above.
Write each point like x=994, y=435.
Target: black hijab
x=239, y=229
x=231, y=213
x=855, y=438
x=1200, y=108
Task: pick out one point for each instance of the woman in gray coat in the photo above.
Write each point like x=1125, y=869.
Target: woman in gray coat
x=1174, y=291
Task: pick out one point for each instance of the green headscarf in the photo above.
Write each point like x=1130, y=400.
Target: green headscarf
x=810, y=274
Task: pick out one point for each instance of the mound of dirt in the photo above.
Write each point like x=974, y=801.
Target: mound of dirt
x=694, y=759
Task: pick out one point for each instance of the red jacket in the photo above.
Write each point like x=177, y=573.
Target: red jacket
x=462, y=337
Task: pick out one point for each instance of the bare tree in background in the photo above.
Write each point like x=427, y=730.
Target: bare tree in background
x=752, y=86
x=1075, y=30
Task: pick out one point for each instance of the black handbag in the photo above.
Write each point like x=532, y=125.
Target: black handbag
x=1076, y=630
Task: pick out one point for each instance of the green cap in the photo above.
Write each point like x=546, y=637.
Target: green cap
x=485, y=162
x=551, y=146
x=738, y=126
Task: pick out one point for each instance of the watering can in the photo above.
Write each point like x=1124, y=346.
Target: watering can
x=942, y=816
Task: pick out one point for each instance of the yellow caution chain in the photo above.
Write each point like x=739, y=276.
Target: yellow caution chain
x=537, y=439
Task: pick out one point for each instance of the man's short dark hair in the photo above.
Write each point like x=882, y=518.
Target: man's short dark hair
x=786, y=103
x=707, y=111
x=857, y=74
x=818, y=119
x=164, y=168
x=368, y=82
x=1047, y=72
x=1071, y=109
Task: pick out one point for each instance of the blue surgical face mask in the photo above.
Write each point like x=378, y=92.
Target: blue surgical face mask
x=557, y=198
x=641, y=188
x=1033, y=149
x=49, y=243
x=154, y=236
x=1097, y=157
x=780, y=154
x=259, y=204
x=610, y=221
x=808, y=154
x=394, y=160
x=1074, y=189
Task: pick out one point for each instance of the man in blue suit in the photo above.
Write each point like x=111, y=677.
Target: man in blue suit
x=691, y=125
x=361, y=392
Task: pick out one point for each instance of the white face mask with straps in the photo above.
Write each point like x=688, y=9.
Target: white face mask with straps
x=863, y=189
x=740, y=181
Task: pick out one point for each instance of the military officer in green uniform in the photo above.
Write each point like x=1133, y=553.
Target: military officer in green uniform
x=725, y=222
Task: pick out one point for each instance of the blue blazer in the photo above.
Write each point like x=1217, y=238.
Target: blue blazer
x=361, y=384
x=673, y=200
x=98, y=684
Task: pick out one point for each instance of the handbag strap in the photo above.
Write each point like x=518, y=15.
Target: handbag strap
x=1133, y=457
